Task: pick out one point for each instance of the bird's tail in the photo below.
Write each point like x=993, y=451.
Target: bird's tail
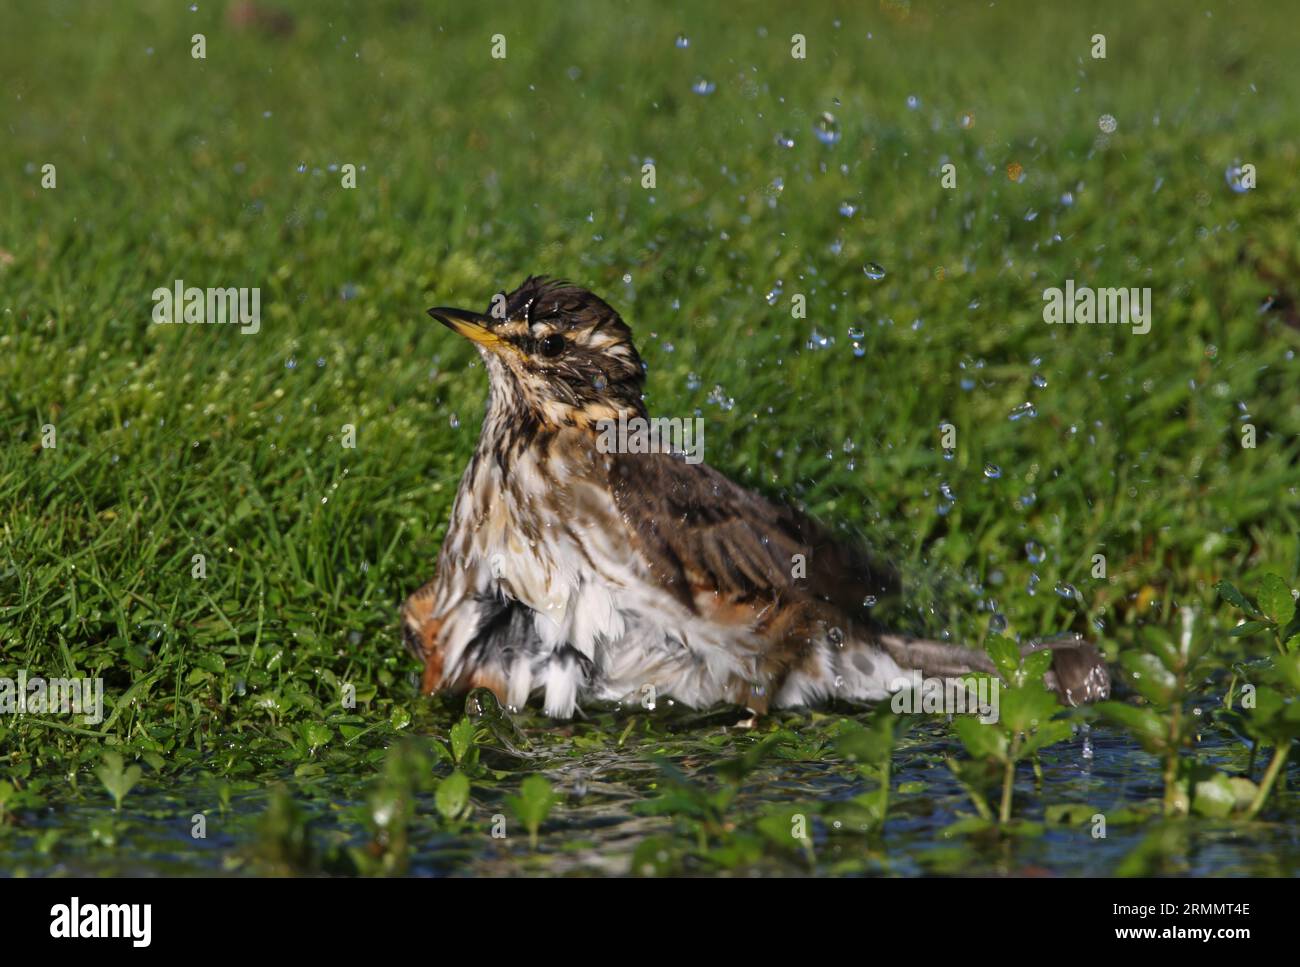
x=1078, y=673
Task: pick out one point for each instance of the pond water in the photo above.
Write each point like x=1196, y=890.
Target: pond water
x=603, y=772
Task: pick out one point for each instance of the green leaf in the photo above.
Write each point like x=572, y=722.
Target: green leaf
x=1235, y=597
x=452, y=797
x=780, y=826
x=868, y=745
x=533, y=804
x=968, y=825
x=117, y=779
x=1275, y=599
x=981, y=741
x=315, y=734
x=1005, y=654
x=1247, y=628
x=462, y=739
x=1215, y=797
x=1029, y=707
x=1070, y=813
x=1036, y=665
x=1287, y=668
x=1148, y=675
x=1049, y=733
x=1243, y=791
x=1143, y=724
x=399, y=718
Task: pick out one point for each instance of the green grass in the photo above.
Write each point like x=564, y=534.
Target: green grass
x=176, y=441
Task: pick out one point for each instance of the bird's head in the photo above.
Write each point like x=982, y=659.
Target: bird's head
x=554, y=351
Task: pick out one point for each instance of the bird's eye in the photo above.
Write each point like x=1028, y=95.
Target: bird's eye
x=552, y=345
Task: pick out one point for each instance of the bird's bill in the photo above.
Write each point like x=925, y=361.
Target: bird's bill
x=472, y=325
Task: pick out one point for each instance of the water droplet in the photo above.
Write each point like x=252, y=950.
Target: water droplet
x=703, y=87
x=784, y=140
x=818, y=340
x=301, y=167
x=1236, y=179
x=869, y=601
x=848, y=209
x=1024, y=410
x=1035, y=551
x=1039, y=380
x=291, y=363
x=992, y=471
x=997, y=623
x=682, y=41
x=873, y=271
x=718, y=396
x=1107, y=123
x=837, y=637
x=454, y=420
x=913, y=102
x=827, y=128
x=967, y=120
x=1069, y=592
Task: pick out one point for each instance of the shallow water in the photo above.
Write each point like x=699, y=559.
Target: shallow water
x=596, y=826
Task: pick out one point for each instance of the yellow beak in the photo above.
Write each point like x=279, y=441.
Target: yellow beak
x=471, y=325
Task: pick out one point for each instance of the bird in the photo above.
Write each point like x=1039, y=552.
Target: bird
x=583, y=573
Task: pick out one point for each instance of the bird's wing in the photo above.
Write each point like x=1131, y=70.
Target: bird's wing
x=700, y=532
